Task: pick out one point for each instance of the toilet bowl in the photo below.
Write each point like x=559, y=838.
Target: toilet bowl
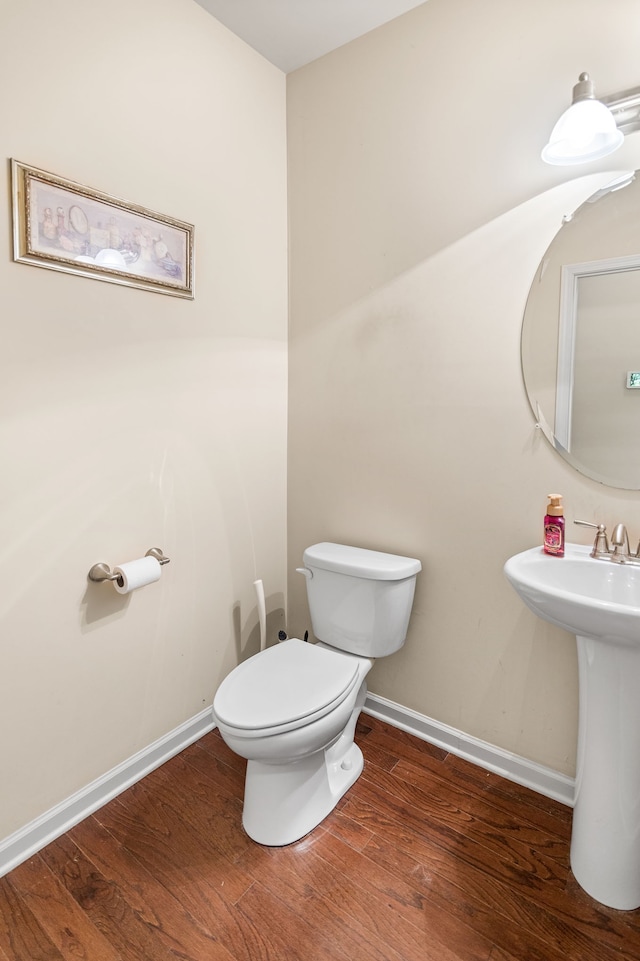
x=291, y=710
x=301, y=758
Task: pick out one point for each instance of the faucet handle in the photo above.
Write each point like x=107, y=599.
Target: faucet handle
x=601, y=543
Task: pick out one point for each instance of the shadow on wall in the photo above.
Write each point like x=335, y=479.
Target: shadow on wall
x=247, y=636
x=102, y=602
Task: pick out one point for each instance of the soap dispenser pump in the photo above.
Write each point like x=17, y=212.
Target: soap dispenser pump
x=554, y=526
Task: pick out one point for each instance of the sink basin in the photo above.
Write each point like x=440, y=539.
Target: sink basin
x=599, y=602
x=594, y=598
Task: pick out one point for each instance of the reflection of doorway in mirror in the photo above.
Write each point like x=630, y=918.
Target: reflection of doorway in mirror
x=605, y=232
x=600, y=314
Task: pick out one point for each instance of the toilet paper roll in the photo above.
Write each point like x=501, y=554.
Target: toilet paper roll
x=136, y=574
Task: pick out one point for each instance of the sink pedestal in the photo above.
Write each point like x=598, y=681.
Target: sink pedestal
x=598, y=601
x=605, y=839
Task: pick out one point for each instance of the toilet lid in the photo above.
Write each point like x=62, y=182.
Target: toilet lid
x=283, y=684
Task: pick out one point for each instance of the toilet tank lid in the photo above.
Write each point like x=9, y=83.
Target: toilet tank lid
x=360, y=562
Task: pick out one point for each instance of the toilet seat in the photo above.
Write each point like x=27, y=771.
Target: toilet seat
x=284, y=687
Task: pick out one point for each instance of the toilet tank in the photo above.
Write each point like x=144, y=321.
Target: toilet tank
x=359, y=600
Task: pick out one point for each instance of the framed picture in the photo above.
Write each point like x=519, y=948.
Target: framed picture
x=633, y=378
x=62, y=225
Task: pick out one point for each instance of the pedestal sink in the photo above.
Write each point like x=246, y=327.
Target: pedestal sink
x=599, y=602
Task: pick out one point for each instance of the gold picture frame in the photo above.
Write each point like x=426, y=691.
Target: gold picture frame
x=62, y=225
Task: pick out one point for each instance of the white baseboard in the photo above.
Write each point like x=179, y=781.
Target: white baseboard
x=25, y=842
x=544, y=780
x=30, y=839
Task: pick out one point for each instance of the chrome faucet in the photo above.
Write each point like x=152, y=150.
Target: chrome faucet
x=620, y=552
x=620, y=543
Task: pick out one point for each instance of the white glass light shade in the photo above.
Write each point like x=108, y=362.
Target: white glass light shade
x=108, y=257
x=586, y=131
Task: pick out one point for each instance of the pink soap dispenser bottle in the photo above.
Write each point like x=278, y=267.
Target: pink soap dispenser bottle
x=554, y=526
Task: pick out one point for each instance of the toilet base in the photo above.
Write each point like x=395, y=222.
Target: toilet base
x=283, y=802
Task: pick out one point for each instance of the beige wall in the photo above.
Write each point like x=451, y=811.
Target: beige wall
x=131, y=419
x=419, y=211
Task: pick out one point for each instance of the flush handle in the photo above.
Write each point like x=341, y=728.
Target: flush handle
x=305, y=570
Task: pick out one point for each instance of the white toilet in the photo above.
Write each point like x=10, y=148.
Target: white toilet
x=291, y=710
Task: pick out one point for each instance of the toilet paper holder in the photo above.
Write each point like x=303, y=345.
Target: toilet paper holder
x=102, y=572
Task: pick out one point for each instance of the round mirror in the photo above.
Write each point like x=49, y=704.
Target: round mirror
x=581, y=337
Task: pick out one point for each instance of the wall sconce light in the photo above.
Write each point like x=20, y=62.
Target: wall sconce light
x=590, y=128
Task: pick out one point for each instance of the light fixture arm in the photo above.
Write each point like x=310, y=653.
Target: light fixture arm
x=625, y=107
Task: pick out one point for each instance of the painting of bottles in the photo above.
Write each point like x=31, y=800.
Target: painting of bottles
x=62, y=225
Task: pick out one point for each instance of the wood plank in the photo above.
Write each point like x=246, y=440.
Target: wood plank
x=21, y=936
x=206, y=904
x=59, y=915
x=551, y=816
x=517, y=794
x=213, y=815
x=578, y=914
x=499, y=955
x=294, y=876
x=132, y=929
x=175, y=840
x=176, y=919
x=363, y=920
x=458, y=830
x=3, y=956
x=434, y=930
x=281, y=932
x=494, y=817
x=353, y=833
x=501, y=915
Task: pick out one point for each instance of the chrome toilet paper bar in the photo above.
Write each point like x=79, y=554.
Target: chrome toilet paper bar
x=102, y=572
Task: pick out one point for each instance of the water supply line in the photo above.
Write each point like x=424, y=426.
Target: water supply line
x=262, y=613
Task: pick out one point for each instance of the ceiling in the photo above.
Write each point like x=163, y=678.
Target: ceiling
x=292, y=33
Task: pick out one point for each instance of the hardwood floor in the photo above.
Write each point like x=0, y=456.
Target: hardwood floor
x=428, y=858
